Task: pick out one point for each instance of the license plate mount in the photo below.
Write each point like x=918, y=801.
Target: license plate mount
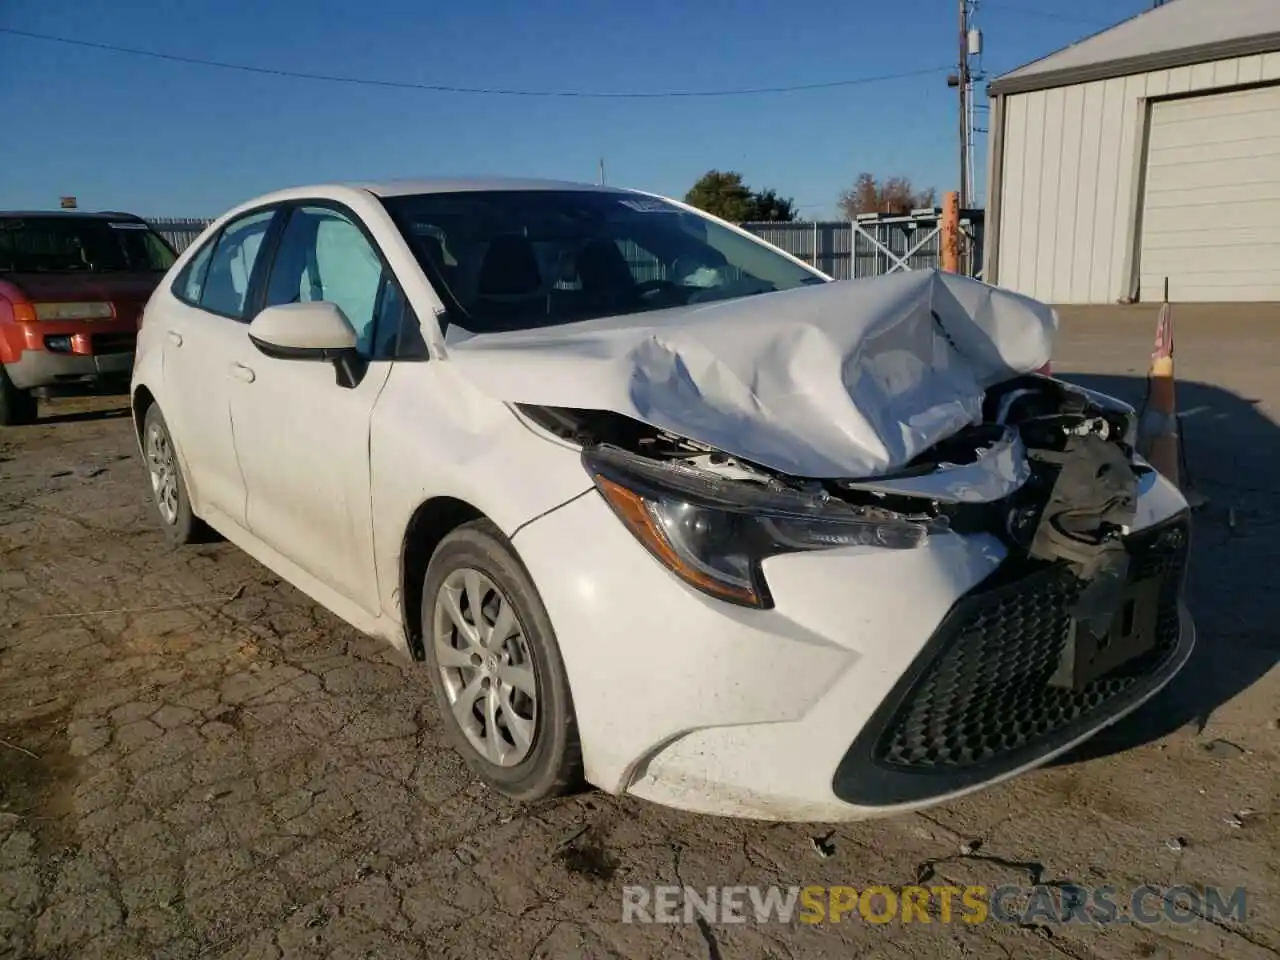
x=1086, y=656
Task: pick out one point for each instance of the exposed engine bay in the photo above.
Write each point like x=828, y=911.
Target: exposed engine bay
x=1049, y=471
x=1076, y=448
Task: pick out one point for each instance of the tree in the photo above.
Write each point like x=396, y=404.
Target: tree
x=767, y=206
x=895, y=196
x=723, y=194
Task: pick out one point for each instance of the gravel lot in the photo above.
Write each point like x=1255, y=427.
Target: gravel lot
x=199, y=762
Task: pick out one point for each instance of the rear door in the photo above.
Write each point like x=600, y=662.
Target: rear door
x=205, y=338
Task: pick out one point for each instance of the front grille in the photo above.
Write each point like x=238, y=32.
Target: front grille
x=123, y=342
x=985, y=693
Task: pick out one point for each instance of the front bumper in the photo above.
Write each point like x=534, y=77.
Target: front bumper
x=70, y=353
x=46, y=368
x=978, y=702
x=784, y=714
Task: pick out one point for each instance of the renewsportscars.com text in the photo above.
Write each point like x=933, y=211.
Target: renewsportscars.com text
x=1042, y=903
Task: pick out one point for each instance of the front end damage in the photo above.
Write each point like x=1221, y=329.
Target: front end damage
x=1080, y=621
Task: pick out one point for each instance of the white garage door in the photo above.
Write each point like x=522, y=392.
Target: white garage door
x=1211, y=211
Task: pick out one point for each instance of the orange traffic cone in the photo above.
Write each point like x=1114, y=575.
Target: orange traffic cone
x=1158, y=428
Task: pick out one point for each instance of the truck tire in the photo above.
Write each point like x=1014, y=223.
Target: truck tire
x=17, y=407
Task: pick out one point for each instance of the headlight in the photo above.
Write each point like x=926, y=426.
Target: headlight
x=74, y=311
x=1114, y=405
x=714, y=533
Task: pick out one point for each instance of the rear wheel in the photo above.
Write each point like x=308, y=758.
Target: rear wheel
x=169, y=501
x=17, y=407
x=496, y=668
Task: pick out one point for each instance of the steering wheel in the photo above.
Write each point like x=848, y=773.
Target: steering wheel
x=647, y=288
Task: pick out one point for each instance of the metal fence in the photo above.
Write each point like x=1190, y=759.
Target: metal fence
x=874, y=245
x=179, y=231
x=870, y=246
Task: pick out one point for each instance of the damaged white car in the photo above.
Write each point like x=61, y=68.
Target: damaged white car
x=659, y=506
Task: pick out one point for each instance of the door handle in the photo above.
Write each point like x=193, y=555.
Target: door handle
x=176, y=337
x=241, y=372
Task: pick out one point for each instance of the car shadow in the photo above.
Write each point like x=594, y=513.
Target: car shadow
x=82, y=416
x=1231, y=453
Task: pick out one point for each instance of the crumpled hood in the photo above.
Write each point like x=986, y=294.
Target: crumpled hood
x=846, y=379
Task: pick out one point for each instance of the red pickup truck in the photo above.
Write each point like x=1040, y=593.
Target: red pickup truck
x=72, y=289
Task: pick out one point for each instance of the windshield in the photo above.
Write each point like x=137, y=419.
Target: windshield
x=80, y=245
x=517, y=259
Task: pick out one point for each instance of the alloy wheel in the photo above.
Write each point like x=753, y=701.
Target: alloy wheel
x=485, y=666
x=163, y=469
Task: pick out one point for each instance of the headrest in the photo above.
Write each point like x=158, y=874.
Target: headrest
x=510, y=268
x=601, y=266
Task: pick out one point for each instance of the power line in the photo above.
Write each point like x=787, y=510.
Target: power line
x=486, y=91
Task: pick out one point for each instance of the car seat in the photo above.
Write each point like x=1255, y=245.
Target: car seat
x=509, y=282
x=603, y=270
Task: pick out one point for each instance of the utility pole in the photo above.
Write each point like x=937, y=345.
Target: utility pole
x=962, y=80
x=962, y=84
x=968, y=69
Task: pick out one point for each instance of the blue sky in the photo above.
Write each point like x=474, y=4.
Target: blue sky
x=163, y=138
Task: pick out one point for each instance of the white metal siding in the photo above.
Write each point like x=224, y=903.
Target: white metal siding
x=1071, y=165
x=1211, y=211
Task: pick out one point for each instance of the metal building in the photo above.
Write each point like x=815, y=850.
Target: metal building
x=1148, y=151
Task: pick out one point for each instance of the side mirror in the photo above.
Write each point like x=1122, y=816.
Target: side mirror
x=318, y=330
x=303, y=331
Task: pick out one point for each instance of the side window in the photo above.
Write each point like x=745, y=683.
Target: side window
x=388, y=313
x=190, y=283
x=231, y=267
x=412, y=346
x=324, y=256
x=399, y=334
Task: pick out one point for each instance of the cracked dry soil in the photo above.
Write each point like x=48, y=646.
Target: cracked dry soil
x=199, y=762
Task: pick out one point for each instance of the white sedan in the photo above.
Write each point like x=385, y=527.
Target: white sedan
x=660, y=506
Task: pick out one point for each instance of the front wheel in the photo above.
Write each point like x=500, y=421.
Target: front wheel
x=496, y=668
x=17, y=407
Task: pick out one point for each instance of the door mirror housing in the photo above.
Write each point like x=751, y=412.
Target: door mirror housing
x=317, y=330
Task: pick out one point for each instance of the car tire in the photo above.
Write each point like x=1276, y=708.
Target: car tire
x=170, y=504
x=17, y=407
x=486, y=685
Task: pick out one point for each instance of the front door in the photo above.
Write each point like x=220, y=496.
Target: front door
x=302, y=439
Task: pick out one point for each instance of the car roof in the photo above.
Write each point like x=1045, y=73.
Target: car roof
x=347, y=190
x=399, y=188
x=71, y=214
x=402, y=188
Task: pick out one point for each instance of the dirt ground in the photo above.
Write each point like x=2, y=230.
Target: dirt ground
x=196, y=761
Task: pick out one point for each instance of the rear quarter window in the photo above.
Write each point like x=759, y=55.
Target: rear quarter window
x=217, y=277
x=189, y=284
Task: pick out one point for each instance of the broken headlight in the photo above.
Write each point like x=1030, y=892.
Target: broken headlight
x=713, y=533
x=1122, y=416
